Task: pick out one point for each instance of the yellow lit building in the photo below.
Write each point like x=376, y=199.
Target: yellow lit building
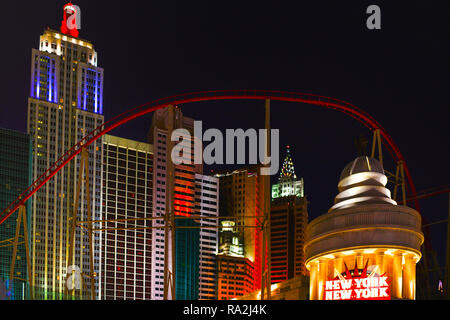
x=366, y=247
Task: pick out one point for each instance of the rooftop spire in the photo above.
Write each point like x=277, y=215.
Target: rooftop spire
x=288, y=184
x=287, y=170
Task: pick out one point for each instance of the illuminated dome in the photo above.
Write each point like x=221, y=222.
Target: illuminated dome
x=362, y=164
x=362, y=182
x=367, y=232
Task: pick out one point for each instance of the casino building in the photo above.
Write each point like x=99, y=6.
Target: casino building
x=366, y=247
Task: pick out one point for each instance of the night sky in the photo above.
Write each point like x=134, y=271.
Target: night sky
x=399, y=75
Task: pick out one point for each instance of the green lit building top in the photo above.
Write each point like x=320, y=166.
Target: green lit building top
x=288, y=184
x=15, y=177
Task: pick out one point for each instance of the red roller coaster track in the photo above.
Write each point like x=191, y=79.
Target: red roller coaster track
x=139, y=111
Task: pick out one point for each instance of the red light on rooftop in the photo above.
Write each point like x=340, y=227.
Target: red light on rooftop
x=71, y=20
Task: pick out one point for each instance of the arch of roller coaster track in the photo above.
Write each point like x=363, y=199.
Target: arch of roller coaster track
x=322, y=101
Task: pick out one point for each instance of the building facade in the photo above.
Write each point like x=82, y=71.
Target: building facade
x=207, y=205
x=296, y=288
x=184, y=206
x=241, y=197
x=288, y=220
x=235, y=273
x=234, y=277
x=65, y=104
x=127, y=195
x=15, y=177
x=187, y=257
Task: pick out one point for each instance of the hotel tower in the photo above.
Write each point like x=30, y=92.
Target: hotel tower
x=64, y=105
x=127, y=194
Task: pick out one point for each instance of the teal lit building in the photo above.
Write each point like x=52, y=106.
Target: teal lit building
x=187, y=243
x=15, y=177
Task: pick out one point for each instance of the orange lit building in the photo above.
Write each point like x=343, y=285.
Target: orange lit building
x=234, y=277
x=235, y=273
x=241, y=196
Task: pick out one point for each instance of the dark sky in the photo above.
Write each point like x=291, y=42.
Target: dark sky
x=399, y=74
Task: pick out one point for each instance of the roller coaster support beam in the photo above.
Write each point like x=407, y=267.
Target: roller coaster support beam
x=447, y=258
x=22, y=218
x=84, y=166
x=169, y=217
x=266, y=246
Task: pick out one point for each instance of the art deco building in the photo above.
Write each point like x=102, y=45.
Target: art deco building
x=366, y=246
x=289, y=217
x=127, y=195
x=15, y=177
x=65, y=104
x=235, y=277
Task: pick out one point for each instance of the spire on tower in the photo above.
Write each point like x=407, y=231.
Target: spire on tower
x=287, y=170
x=288, y=184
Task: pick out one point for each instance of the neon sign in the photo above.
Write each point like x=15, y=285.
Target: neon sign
x=358, y=285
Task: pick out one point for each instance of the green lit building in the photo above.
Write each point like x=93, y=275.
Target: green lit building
x=15, y=177
x=288, y=184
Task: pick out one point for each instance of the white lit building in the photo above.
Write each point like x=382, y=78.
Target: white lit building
x=206, y=205
x=65, y=104
x=127, y=193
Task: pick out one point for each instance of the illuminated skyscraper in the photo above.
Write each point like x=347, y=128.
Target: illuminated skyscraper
x=206, y=205
x=289, y=218
x=127, y=194
x=242, y=196
x=235, y=273
x=184, y=205
x=65, y=104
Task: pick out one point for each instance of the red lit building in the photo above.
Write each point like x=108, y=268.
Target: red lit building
x=234, y=277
